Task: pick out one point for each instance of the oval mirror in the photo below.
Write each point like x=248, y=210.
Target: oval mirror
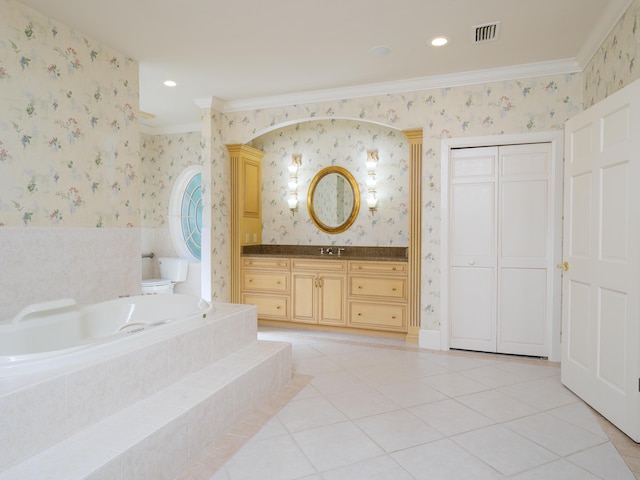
x=333, y=199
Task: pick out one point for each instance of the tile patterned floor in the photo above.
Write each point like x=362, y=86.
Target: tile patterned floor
x=372, y=408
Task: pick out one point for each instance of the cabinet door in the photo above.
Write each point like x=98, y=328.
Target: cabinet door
x=378, y=316
x=264, y=281
x=303, y=296
x=269, y=306
x=332, y=299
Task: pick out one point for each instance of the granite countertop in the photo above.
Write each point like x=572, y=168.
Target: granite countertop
x=388, y=254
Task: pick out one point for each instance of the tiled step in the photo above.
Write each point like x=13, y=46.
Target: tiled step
x=58, y=397
x=157, y=437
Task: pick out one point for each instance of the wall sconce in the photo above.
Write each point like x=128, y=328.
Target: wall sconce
x=372, y=163
x=296, y=161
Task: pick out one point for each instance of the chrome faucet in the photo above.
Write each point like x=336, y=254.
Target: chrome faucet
x=340, y=250
x=329, y=250
x=321, y=251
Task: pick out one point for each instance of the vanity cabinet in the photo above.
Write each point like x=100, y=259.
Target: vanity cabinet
x=319, y=292
x=329, y=292
x=265, y=282
x=378, y=293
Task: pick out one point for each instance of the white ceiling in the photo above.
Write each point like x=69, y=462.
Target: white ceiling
x=245, y=54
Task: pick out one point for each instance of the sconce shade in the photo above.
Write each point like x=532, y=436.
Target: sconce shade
x=371, y=182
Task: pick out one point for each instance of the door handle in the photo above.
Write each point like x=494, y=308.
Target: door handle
x=564, y=266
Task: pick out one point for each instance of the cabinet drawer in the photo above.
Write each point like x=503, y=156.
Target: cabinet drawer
x=319, y=265
x=266, y=262
x=256, y=281
x=269, y=306
x=378, y=316
x=392, y=268
x=393, y=288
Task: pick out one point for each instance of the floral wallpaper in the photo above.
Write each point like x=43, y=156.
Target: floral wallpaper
x=614, y=64
x=342, y=143
x=69, y=165
x=68, y=130
x=218, y=169
x=162, y=159
x=70, y=146
x=516, y=106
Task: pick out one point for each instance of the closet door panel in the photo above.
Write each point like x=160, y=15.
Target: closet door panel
x=472, y=308
x=522, y=311
x=473, y=222
x=524, y=222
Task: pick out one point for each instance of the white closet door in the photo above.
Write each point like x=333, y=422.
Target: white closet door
x=473, y=249
x=501, y=249
x=601, y=302
x=524, y=249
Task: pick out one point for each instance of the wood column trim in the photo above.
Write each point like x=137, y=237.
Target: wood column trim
x=234, y=220
x=415, y=233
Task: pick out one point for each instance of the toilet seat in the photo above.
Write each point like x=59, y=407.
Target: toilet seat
x=155, y=282
x=154, y=286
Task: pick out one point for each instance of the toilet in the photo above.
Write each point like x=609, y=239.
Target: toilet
x=172, y=271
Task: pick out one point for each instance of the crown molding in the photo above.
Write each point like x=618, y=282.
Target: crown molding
x=185, y=128
x=606, y=23
x=411, y=85
x=210, y=102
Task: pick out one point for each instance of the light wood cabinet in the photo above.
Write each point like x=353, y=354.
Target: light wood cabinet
x=341, y=293
x=265, y=282
x=245, y=206
x=319, y=291
x=378, y=293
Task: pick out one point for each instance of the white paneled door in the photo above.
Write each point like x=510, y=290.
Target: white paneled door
x=501, y=249
x=601, y=286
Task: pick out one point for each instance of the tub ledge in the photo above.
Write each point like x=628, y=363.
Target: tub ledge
x=44, y=307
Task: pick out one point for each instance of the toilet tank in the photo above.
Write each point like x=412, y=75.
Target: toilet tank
x=173, y=268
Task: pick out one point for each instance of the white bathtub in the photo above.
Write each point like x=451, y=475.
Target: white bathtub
x=44, y=331
x=159, y=396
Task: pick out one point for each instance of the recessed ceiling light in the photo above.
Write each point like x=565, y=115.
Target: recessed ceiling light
x=170, y=83
x=439, y=41
x=379, y=51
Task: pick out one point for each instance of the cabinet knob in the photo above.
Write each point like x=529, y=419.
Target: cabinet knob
x=393, y=289
x=360, y=287
x=250, y=280
x=278, y=307
x=393, y=317
x=278, y=282
x=359, y=314
x=393, y=268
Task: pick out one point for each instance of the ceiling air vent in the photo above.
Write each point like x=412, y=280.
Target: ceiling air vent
x=486, y=32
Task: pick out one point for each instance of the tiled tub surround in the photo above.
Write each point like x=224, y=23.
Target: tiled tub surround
x=396, y=254
x=146, y=411
x=90, y=265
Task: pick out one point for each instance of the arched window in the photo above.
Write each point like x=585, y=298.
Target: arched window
x=185, y=213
